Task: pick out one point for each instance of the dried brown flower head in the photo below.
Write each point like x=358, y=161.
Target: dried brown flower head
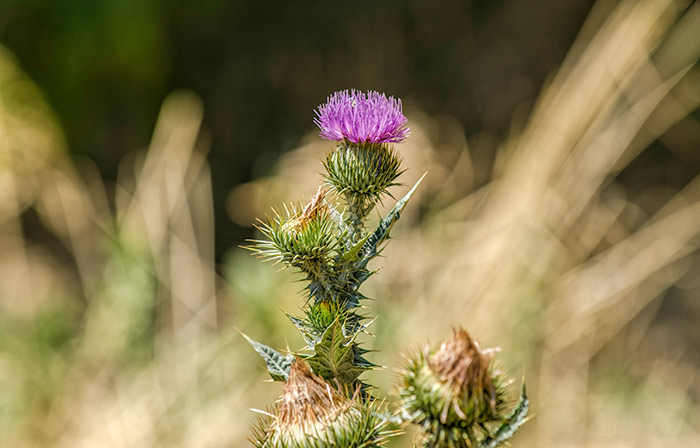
x=312, y=413
x=307, y=401
x=460, y=363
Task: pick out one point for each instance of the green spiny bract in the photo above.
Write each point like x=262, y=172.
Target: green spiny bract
x=304, y=238
x=361, y=173
x=312, y=414
x=454, y=395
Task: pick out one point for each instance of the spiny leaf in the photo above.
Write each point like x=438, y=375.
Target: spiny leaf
x=355, y=250
x=370, y=249
x=278, y=365
x=360, y=361
x=306, y=331
x=512, y=423
x=334, y=358
x=355, y=327
x=353, y=300
x=299, y=323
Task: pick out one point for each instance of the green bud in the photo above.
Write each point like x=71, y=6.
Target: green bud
x=452, y=393
x=312, y=413
x=303, y=238
x=321, y=314
x=362, y=173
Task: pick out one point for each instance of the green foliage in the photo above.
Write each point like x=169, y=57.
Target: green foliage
x=336, y=356
x=329, y=327
x=510, y=425
x=278, y=365
x=332, y=250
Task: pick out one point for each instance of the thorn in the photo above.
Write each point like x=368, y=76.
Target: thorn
x=259, y=411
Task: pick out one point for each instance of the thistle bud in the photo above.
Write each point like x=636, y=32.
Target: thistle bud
x=453, y=393
x=311, y=413
x=362, y=173
x=301, y=237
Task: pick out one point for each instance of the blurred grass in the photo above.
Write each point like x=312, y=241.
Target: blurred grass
x=116, y=330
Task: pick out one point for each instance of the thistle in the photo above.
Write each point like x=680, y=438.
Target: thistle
x=363, y=165
x=324, y=400
x=456, y=396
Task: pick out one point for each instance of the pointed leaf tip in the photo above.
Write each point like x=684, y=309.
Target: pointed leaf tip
x=278, y=365
x=381, y=233
x=516, y=418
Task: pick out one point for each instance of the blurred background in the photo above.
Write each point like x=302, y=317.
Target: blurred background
x=559, y=220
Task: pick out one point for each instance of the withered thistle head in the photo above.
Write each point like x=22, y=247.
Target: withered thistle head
x=460, y=363
x=312, y=413
x=316, y=209
x=452, y=392
x=307, y=401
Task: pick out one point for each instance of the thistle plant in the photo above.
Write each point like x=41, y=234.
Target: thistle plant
x=452, y=393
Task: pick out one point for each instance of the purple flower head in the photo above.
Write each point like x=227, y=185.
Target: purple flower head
x=360, y=118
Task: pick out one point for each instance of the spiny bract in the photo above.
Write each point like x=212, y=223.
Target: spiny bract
x=362, y=173
x=302, y=237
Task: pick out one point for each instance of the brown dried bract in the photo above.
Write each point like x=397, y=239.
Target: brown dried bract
x=307, y=400
x=460, y=362
x=312, y=209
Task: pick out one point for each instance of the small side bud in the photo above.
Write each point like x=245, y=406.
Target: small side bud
x=302, y=237
x=453, y=393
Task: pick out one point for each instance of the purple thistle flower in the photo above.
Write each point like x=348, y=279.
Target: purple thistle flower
x=360, y=118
